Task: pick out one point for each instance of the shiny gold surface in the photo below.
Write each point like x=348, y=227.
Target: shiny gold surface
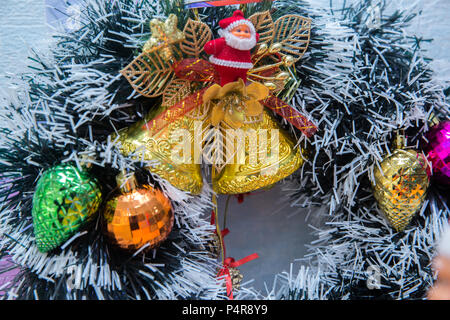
x=164, y=33
x=240, y=178
x=235, y=101
x=282, y=43
x=139, y=217
x=137, y=140
x=401, y=186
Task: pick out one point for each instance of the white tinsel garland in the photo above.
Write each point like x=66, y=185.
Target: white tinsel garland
x=83, y=89
x=356, y=238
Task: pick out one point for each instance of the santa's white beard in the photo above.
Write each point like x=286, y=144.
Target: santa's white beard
x=239, y=43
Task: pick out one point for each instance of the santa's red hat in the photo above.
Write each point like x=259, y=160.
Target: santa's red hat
x=235, y=20
x=230, y=51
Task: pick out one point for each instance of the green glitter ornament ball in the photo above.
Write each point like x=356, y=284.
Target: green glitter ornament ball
x=65, y=199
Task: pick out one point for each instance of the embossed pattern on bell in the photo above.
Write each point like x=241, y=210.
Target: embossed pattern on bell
x=158, y=147
x=237, y=178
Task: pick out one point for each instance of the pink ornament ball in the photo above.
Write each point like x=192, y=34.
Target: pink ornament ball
x=438, y=151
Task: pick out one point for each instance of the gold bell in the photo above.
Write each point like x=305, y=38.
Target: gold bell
x=261, y=164
x=158, y=145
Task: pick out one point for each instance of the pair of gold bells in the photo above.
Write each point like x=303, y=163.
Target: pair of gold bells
x=233, y=178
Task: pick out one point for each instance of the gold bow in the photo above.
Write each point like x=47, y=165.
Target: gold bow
x=235, y=101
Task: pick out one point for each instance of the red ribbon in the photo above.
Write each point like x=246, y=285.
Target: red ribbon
x=199, y=70
x=231, y=263
x=176, y=111
x=213, y=217
x=240, y=198
x=291, y=115
x=193, y=69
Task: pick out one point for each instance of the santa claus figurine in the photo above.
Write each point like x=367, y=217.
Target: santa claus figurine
x=231, y=53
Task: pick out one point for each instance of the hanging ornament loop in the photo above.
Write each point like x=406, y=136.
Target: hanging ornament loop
x=400, y=139
x=232, y=263
x=126, y=183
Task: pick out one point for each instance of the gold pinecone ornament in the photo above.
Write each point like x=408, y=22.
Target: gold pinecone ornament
x=400, y=186
x=213, y=246
x=236, y=278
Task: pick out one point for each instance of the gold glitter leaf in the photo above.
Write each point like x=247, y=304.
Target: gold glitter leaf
x=196, y=35
x=293, y=32
x=148, y=74
x=176, y=90
x=163, y=33
x=264, y=26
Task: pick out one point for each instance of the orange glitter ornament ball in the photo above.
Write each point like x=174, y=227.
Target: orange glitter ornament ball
x=139, y=217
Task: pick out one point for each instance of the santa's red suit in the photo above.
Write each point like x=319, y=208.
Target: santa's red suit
x=230, y=54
